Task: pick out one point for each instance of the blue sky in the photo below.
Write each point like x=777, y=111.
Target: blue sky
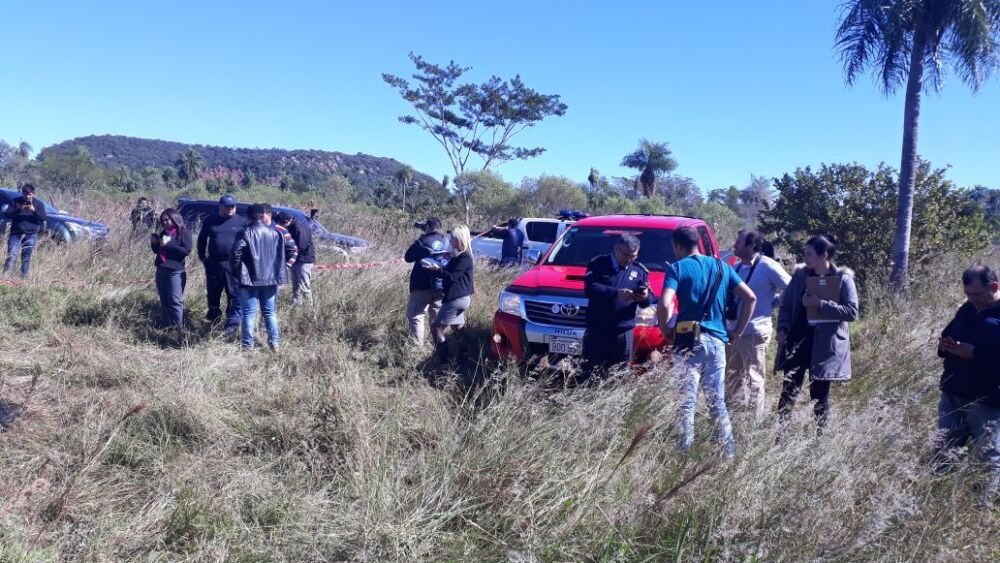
x=736, y=88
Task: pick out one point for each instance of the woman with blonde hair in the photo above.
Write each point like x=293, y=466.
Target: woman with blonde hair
x=458, y=289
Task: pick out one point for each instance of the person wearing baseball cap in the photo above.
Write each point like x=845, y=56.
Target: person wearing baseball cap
x=215, y=244
x=426, y=284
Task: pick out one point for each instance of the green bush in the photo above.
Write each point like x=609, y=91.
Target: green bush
x=858, y=206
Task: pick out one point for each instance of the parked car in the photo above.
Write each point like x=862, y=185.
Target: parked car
x=539, y=234
x=195, y=210
x=61, y=226
x=544, y=311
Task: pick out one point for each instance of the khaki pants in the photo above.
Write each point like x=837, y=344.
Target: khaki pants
x=746, y=367
x=416, y=310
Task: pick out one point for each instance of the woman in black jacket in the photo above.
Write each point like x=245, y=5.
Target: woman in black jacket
x=171, y=245
x=458, y=289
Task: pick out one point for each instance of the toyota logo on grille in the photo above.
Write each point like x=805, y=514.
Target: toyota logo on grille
x=567, y=310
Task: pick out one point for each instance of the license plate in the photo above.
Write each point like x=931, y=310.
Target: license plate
x=562, y=345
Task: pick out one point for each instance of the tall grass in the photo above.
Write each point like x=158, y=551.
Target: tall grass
x=353, y=445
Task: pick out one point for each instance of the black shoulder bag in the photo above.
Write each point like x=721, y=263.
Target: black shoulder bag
x=687, y=333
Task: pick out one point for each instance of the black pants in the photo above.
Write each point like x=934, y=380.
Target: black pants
x=219, y=279
x=170, y=287
x=602, y=350
x=819, y=391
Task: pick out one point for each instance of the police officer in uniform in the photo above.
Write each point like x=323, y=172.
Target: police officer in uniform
x=426, y=284
x=615, y=285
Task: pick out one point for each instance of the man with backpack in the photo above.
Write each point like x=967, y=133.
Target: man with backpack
x=700, y=283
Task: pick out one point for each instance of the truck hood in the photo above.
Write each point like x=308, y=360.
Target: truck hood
x=565, y=279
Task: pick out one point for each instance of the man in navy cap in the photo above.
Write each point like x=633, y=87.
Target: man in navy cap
x=215, y=244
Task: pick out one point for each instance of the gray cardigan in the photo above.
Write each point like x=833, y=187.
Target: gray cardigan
x=831, y=351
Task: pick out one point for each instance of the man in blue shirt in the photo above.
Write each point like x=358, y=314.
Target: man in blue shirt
x=615, y=285
x=216, y=238
x=700, y=284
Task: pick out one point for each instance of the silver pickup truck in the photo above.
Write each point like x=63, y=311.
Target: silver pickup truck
x=539, y=234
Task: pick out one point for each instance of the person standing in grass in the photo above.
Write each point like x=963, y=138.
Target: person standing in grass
x=26, y=218
x=969, y=409
x=426, y=285
x=458, y=289
x=171, y=246
x=260, y=257
x=700, y=284
x=746, y=356
x=143, y=217
x=302, y=269
x=215, y=245
x=821, y=348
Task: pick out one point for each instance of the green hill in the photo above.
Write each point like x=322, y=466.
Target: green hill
x=309, y=166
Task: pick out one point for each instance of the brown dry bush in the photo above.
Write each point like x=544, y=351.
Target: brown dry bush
x=350, y=446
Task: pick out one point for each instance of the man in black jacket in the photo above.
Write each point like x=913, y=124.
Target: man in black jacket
x=302, y=269
x=426, y=285
x=615, y=286
x=970, y=383
x=259, y=260
x=215, y=245
x=26, y=218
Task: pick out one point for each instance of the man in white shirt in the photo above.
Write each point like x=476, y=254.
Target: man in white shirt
x=747, y=355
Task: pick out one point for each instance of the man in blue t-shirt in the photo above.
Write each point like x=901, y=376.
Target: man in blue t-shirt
x=692, y=280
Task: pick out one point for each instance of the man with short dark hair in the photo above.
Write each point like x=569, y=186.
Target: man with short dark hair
x=426, y=284
x=970, y=383
x=26, y=218
x=260, y=257
x=302, y=269
x=142, y=216
x=700, y=284
x=615, y=285
x=746, y=356
x=513, y=241
x=216, y=238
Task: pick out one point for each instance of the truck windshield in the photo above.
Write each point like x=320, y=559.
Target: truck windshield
x=581, y=244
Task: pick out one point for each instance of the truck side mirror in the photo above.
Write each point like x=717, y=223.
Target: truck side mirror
x=534, y=256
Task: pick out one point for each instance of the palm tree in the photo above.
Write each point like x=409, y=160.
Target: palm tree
x=594, y=178
x=189, y=165
x=913, y=40
x=652, y=159
x=405, y=175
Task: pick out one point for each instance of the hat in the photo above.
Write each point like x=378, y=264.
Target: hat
x=255, y=209
x=227, y=200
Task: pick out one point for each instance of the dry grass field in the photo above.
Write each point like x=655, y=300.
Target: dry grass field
x=352, y=445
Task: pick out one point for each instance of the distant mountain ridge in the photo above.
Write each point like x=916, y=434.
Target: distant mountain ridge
x=310, y=166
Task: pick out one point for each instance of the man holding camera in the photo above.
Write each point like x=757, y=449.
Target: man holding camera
x=615, y=285
x=700, y=284
x=26, y=218
x=746, y=356
x=426, y=284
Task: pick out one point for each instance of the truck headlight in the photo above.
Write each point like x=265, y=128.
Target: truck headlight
x=645, y=316
x=510, y=303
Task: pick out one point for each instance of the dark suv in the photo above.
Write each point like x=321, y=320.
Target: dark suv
x=61, y=226
x=196, y=210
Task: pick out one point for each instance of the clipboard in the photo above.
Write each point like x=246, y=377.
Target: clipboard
x=826, y=288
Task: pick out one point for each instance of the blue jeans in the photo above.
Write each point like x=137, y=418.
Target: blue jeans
x=267, y=296
x=706, y=368
x=961, y=419
x=23, y=245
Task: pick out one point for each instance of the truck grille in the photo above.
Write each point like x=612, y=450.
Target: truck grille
x=541, y=312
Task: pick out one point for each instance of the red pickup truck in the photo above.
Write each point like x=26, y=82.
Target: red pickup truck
x=544, y=311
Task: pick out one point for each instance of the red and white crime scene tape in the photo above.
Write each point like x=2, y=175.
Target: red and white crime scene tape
x=143, y=281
